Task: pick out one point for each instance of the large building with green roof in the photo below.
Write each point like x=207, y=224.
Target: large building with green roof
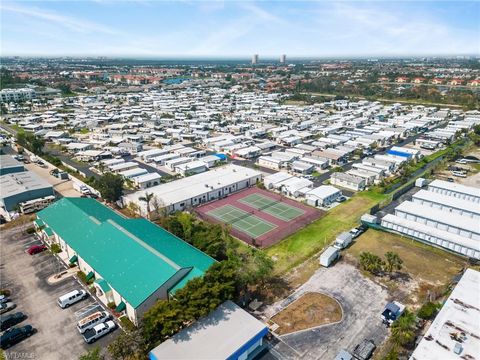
x=133, y=261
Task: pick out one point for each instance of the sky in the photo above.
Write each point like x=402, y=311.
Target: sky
x=238, y=29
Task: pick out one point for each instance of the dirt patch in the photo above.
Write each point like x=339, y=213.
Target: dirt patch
x=310, y=310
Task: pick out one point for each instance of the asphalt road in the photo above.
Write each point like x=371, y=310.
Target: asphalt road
x=362, y=303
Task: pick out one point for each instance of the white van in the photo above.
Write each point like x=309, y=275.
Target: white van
x=91, y=320
x=71, y=298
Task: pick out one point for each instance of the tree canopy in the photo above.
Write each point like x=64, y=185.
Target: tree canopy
x=110, y=186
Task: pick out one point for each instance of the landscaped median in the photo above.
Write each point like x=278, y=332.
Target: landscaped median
x=308, y=311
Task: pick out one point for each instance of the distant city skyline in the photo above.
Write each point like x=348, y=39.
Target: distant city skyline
x=234, y=29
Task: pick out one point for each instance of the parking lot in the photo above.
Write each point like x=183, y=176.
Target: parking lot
x=26, y=276
x=362, y=302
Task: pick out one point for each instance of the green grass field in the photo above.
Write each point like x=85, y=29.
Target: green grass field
x=421, y=261
x=311, y=239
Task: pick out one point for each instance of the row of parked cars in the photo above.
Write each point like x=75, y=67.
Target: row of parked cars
x=11, y=334
x=93, y=326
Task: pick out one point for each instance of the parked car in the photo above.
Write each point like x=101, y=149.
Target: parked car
x=71, y=298
x=4, y=299
x=15, y=335
x=356, y=232
x=36, y=249
x=393, y=310
x=8, y=321
x=459, y=174
x=95, y=333
x=450, y=179
x=7, y=307
x=341, y=199
x=364, y=350
x=92, y=320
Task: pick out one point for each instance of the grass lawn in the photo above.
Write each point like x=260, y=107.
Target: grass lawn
x=422, y=262
x=310, y=310
x=306, y=242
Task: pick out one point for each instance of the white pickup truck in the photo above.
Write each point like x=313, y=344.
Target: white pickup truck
x=95, y=333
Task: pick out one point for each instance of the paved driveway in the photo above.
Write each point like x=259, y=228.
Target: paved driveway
x=26, y=276
x=362, y=301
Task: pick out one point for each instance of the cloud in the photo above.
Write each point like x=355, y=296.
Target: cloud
x=71, y=23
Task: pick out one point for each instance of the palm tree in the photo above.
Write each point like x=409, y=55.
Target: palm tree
x=403, y=330
x=393, y=261
x=147, y=199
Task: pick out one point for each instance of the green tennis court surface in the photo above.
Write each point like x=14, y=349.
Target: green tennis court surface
x=272, y=207
x=242, y=220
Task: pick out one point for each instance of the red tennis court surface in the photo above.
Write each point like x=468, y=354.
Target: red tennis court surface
x=259, y=217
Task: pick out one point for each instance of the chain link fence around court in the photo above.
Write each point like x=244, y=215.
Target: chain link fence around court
x=271, y=237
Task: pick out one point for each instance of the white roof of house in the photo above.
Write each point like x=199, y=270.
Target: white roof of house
x=147, y=177
x=323, y=191
x=295, y=183
x=276, y=177
x=459, y=315
x=191, y=165
x=217, y=336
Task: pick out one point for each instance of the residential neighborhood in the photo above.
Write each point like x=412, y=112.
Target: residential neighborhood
x=299, y=183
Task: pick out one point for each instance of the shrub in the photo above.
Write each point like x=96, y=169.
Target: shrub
x=427, y=311
x=55, y=248
x=111, y=305
x=127, y=324
x=5, y=292
x=82, y=276
x=30, y=230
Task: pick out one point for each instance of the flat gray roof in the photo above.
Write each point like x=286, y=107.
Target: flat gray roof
x=217, y=336
x=449, y=201
x=7, y=161
x=469, y=190
x=441, y=216
x=17, y=183
x=459, y=315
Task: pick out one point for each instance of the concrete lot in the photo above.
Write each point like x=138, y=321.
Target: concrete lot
x=362, y=301
x=64, y=187
x=26, y=276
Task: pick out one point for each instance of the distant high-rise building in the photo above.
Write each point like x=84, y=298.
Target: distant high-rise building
x=255, y=59
x=283, y=59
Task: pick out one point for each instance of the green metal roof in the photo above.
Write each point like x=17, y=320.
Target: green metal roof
x=90, y=275
x=134, y=256
x=73, y=259
x=39, y=222
x=120, y=307
x=103, y=285
x=48, y=231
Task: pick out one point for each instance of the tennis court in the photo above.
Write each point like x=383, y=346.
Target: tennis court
x=272, y=206
x=242, y=220
x=258, y=217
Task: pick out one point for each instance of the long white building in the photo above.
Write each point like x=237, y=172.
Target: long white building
x=456, y=190
x=454, y=334
x=445, y=216
x=198, y=189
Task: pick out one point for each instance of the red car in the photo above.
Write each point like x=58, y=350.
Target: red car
x=35, y=249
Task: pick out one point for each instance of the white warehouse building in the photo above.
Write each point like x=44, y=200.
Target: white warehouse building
x=198, y=189
x=447, y=216
x=455, y=190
